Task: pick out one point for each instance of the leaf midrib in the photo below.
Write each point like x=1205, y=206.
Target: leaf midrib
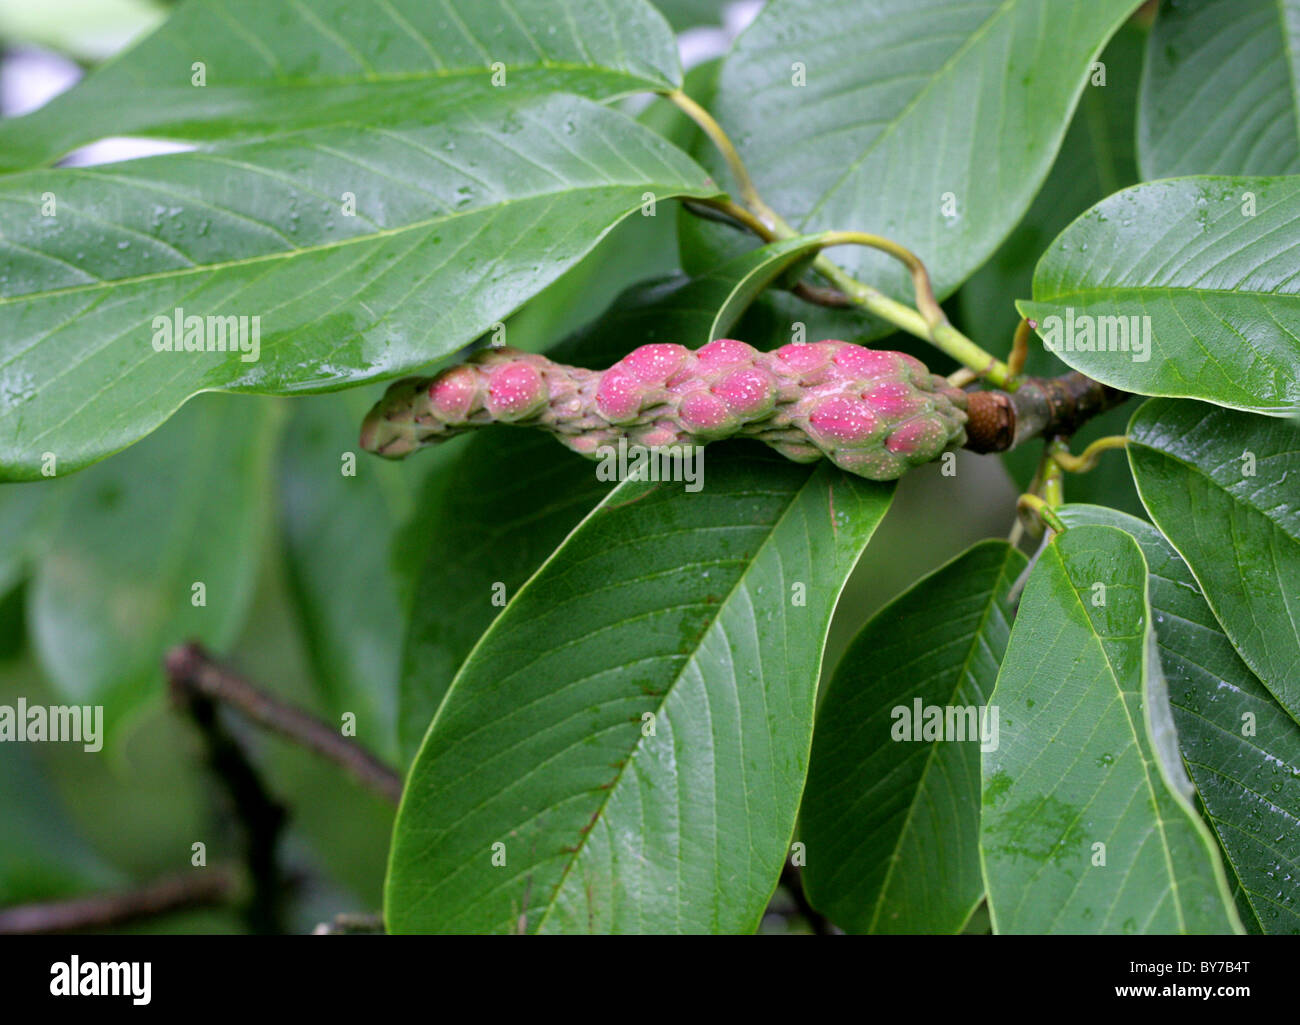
x=334, y=245
x=1105, y=292
x=290, y=82
x=976, y=636
x=574, y=856
x=1289, y=59
x=1146, y=757
x=940, y=73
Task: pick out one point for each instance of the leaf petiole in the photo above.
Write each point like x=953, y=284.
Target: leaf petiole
x=929, y=324
x=1087, y=459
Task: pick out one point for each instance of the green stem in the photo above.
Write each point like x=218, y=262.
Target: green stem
x=1053, y=491
x=933, y=328
x=1044, y=511
x=925, y=301
x=719, y=138
x=930, y=324
x=1087, y=459
x=1019, y=348
x=734, y=213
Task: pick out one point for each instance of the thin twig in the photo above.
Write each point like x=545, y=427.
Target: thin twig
x=197, y=888
x=711, y=128
x=822, y=296
x=727, y=212
x=929, y=323
x=1044, y=511
x=1020, y=347
x=262, y=817
x=1053, y=475
x=192, y=669
x=926, y=303
x=962, y=376
x=1086, y=460
x=998, y=421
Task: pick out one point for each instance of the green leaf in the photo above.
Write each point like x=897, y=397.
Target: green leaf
x=1219, y=90
x=670, y=121
x=729, y=288
x=635, y=249
x=695, y=618
x=892, y=824
x=457, y=225
x=903, y=104
x=775, y=316
x=1096, y=159
x=90, y=30
x=340, y=511
x=118, y=584
x=1202, y=270
x=1240, y=746
x=488, y=518
x=684, y=14
x=495, y=480
x=1087, y=756
x=271, y=69
x=43, y=856
x=1216, y=484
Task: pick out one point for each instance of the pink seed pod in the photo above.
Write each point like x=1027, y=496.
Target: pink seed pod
x=619, y=396
x=749, y=392
x=453, y=393
x=872, y=413
x=725, y=352
x=703, y=413
x=514, y=391
x=654, y=364
x=841, y=420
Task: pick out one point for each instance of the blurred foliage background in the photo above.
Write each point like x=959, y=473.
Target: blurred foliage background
x=77, y=590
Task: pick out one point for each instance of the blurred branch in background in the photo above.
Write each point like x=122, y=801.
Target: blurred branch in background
x=260, y=815
x=201, y=686
x=198, y=888
x=195, y=674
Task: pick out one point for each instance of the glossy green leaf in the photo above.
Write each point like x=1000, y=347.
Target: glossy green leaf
x=636, y=249
x=494, y=481
x=891, y=822
x=272, y=68
x=119, y=584
x=457, y=224
x=1087, y=821
x=879, y=116
x=729, y=288
x=488, y=518
x=43, y=856
x=634, y=728
x=684, y=14
x=1219, y=485
x=1184, y=288
x=1221, y=89
x=1240, y=746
